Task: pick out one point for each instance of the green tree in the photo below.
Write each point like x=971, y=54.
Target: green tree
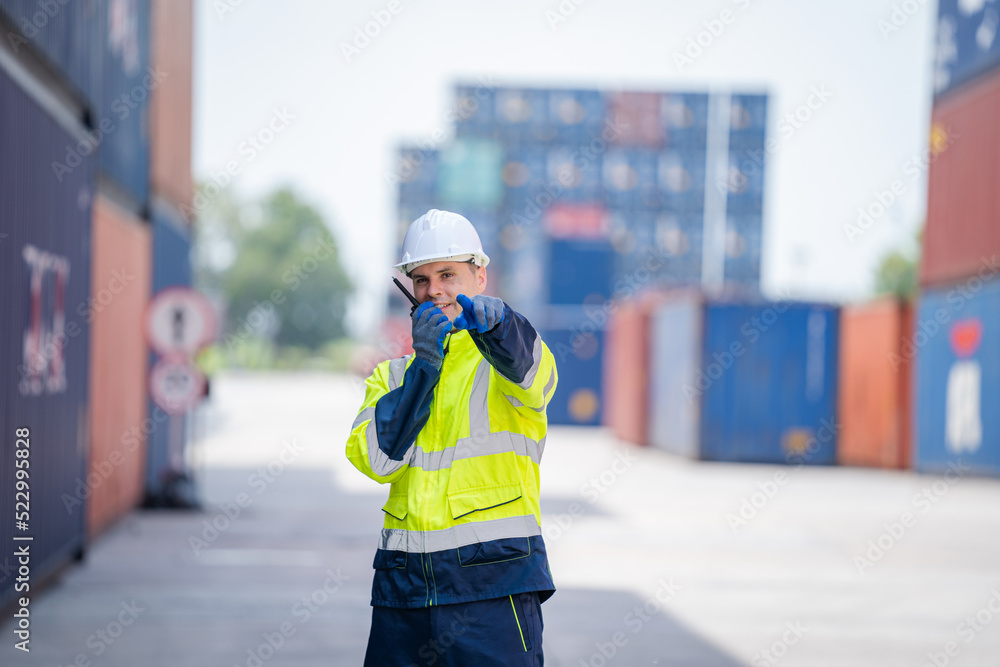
x=897, y=272
x=277, y=267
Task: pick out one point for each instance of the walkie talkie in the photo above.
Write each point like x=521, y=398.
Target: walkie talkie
x=409, y=296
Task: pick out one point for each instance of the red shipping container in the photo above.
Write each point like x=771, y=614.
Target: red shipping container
x=120, y=284
x=170, y=103
x=577, y=221
x=963, y=208
x=626, y=368
x=874, y=401
x=635, y=118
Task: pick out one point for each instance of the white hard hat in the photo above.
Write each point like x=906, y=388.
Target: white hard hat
x=439, y=235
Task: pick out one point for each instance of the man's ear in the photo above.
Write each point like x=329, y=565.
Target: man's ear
x=481, y=278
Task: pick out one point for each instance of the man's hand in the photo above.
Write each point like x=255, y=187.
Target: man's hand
x=480, y=313
x=430, y=326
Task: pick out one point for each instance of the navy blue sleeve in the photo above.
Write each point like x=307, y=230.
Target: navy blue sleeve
x=400, y=414
x=508, y=346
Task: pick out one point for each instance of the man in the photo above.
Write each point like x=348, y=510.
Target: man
x=458, y=429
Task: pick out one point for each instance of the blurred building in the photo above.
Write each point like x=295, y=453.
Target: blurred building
x=95, y=175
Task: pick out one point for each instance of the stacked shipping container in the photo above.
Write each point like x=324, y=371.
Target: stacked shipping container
x=582, y=195
x=957, y=324
x=76, y=86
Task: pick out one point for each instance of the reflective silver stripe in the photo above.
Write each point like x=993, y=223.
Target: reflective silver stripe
x=552, y=381
x=536, y=360
x=541, y=448
x=479, y=412
x=518, y=404
x=397, y=368
x=415, y=541
x=363, y=416
x=470, y=448
x=381, y=464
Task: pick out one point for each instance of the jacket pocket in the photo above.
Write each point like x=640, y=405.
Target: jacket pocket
x=463, y=501
x=395, y=506
x=494, y=551
x=389, y=560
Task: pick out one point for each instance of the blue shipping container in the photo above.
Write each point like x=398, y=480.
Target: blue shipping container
x=745, y=182
x=957, y=341
x=748, y=122
x=681, y=180
x=966, y=43
x=417, y=173
x=475, y=112
x=684, y=117
x=577, y=116
x=765, y=388
x=578, y=351
x=45, y=332
x=580, y=272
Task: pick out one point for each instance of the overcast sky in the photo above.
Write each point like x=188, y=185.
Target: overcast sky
x=256, y=57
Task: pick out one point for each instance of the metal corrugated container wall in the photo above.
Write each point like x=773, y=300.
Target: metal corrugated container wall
x=120, y=279
x=70, y=36
x=965, y=43
x=957, y=388
x=170, y=104
x=774, y=402
x=674, y=354
x=962, y=236
x=873, y=392
x=578, y=351
x=579, y=272
x=171, y=267
x=102, y=49
x=626, y=368
x=45, y=275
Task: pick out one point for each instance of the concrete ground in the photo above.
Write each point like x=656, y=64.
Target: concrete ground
x=658, y=560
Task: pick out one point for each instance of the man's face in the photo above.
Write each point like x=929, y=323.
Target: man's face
x=442, y=282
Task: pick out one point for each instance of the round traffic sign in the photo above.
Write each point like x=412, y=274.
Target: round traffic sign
x=176, y=385
x=179, y=320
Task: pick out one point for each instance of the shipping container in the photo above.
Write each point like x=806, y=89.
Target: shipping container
x=747, y=382
x=679, y=241
x=470, y=174
x=475, y=111
x=170, y=103
x=627, y=366
x=635, y=119
x=522, y=116
x=574, y=178
x=966, y=46
x=577, y=116
x=630, y=178
x=171, y=268
x=956, y=340
x=120, y=282
x=743, y=249
x=684, y=118
x=575, y=337
x=416, y=172
x=579, y=272
x=744, y=185
x=748, y=122
x=577, y=221
x=681, y=180
x=962, y=236
x=874, y=386
x=45, y=331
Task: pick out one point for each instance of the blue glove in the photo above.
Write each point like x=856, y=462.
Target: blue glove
x=430, y=326
x=480, y=313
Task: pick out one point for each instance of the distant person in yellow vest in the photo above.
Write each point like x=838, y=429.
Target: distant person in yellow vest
x=458, y=429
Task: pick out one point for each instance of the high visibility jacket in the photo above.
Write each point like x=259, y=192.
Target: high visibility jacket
x=461, y=448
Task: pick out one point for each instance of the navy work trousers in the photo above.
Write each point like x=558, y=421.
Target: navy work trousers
x=506, y=632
